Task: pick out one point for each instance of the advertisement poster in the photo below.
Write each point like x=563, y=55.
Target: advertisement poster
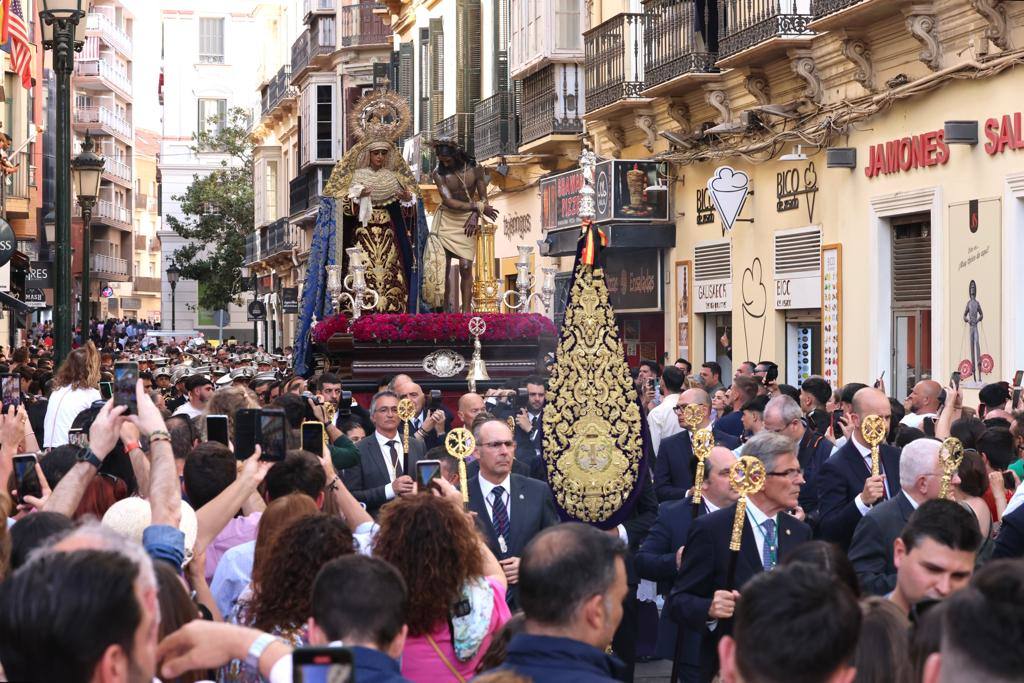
x=831, y=313
x=974, y=277
x=683, y=309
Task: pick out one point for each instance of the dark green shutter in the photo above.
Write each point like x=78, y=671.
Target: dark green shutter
x=436, y=72
x=467, y=31
x=406, y=85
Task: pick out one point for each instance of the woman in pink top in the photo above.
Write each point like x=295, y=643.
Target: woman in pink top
x=456, y=586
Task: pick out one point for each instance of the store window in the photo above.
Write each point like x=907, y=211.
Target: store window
x=717, y=329
x=911, y=302
x=803, y=346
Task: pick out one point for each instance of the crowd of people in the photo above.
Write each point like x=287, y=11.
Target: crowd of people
x=139, y=546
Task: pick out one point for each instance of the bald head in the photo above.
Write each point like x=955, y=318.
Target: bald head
x=698, y=396
x=470, y=405
x=924, y=398
x=694, y=397
x=406, y=388
x=866, y=402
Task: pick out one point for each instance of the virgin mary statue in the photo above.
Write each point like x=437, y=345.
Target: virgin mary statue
x=369, y=201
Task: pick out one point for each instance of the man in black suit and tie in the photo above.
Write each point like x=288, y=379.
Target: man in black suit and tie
x=783, y=416
x=662, y=552
x=846, y=489
x=1010, y=541
x=510, y=509
x=701, y=599
x=871, y=550
x=673, y=469
x=529, y=422
x=384, y=470
x=429, y=425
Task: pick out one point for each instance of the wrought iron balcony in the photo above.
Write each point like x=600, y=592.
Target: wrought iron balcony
x=495, y=126
x=457, y=127
x=823, y=8
x=615, y=60
x=552, y=103
x=318, y=40
x=674, y=48
x=304, y=189
x=252, y=247
x=275, y=91
x=361, y=26
x=279, y=237
x=753, y=22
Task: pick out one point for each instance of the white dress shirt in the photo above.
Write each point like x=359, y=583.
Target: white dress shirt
x=487, y=489
x=756, y=519
x=662, y=421
x=385, y=450
x=916, y=420
x=865, y=453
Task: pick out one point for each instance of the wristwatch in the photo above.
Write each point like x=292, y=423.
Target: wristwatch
x=252, y=658
x=88, y=456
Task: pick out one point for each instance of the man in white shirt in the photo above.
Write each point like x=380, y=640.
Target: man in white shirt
x=922, y=403
x=199, y=390
x=662, y=421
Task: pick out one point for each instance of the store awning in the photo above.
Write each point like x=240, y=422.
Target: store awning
x=12, y=304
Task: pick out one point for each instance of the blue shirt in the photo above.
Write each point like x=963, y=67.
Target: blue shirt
x=233, y=574
x=548, y=659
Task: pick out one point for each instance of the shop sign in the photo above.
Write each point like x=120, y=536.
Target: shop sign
x=289, y=299
x=901, y=155
x=39, y=275
x=728, y=189
x=257, y=310
x=1002, y=133
x=633, y=277
x=712, y=277
x=798, y=268
x=713, y=296
x=705, y=207
x=798, y=292
x=620, y=194
x=792, y=184
x=516, y=225
x=34, y=297
x=7, y=242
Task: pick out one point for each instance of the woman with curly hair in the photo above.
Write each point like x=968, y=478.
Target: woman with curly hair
x=279, y=602
x=456, y=586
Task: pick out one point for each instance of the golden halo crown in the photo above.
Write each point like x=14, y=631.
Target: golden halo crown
x=380, y=115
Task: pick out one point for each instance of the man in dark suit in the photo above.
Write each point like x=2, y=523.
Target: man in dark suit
x=1010, y=541
x=702, y=598
x=510, y=509
x=384, y=470
x=783, y=416
x=661, y=553
x=846, y=489
x=742, y=391
x=673, y=468
x=529, y=431
x=871, y=550
x=429, y=425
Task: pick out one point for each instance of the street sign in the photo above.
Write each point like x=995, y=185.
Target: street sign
x=257, y=310
x=8, y=242
x=39, y=275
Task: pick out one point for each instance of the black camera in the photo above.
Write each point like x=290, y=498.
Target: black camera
x=345, y=405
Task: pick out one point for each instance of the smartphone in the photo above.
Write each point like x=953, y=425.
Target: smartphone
x=954, y=379
x=426, y=472
x=217, y=428
x=316, y=664
x=10, y=390
x=78, y=437
x=247, y=432
x=25, y=476
x=272, y=436
x=126, y=377
x=878, y=382
x=106, y=390
x=313, y=437
x=522, y=398
x=837, y=419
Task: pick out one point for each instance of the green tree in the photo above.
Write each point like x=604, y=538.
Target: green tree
x=218, y=212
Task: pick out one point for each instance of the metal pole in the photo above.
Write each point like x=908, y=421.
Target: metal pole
x=86, y=266
x=174, y=320
x=64, y=47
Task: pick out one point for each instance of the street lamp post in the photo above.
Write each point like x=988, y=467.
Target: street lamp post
x=88, y=171
x=64, y=33
x=173, y=273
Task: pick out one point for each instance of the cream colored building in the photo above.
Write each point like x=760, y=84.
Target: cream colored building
x=867, y=209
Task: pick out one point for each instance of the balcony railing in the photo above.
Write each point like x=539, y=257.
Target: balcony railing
x=118, y=169
x=752, y=22
x=457, y=127
x=105, y=117
x=99, y=67
x=319, y=39
x=300, y=52
x=360, y=26
x=252, y=247
x=276, y=89
x=279, y=237
x=114, y=36
x=823, y=8
x=673, y=46
x=552, y=103
x=17, y=184
x=495, y=126
x=107, y=211
x=615, y=60
x=304, y=189
x=101, y=263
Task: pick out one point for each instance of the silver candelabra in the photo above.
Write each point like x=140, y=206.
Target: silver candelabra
x=359, y=295
x=525, y=281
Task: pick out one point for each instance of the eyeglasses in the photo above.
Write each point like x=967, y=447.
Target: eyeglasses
x=499, y=444
x=792, y=473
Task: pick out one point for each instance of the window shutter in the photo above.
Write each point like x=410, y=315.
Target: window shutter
x=436, y=72
x=911, y=264
x=797, y=252
x=502, y=40
x=425, y=55
x=405, y=73
x=467, y=31
x=259, y=182
x=712, y=261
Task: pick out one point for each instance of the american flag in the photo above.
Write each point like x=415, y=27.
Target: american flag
x=21, y=50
